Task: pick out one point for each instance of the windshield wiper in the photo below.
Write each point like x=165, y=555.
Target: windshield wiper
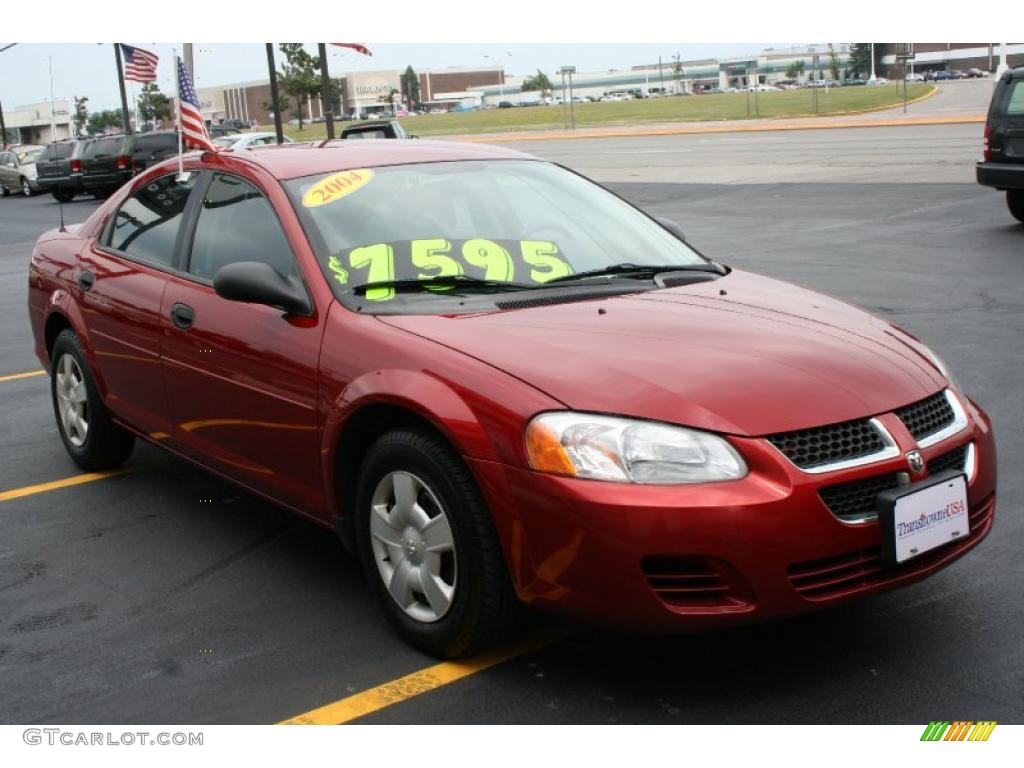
x=417, y=285
x=627, y=269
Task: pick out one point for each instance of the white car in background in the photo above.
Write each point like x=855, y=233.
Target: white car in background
x=915, y=77
x=248, y=140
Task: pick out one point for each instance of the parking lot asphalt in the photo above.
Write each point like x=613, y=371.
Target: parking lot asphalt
x=164, y=595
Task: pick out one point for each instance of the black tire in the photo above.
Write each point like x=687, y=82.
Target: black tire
x=483, y=602
x=106, y=445
x=26, y=188
x=4, y=191
x=63, y=195
x=1015, y=202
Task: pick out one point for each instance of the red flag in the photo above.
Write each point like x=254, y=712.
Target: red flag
x=357, y=47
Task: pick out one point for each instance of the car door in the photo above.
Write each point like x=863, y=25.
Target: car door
x=1010, y=133
x=119, y=283
x=7, y=178
x=242, y=378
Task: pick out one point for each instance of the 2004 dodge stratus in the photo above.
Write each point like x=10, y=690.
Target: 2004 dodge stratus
x=501, y=384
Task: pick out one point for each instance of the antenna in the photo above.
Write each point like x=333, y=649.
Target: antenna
x=53, y=140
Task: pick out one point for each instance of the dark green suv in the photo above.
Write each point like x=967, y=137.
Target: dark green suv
x=1003, y=166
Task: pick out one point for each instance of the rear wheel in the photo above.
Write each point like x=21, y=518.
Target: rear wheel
x=63, y=195
x=1015, y=202
x=90, y=437
x=4, y=191
x=428, y=546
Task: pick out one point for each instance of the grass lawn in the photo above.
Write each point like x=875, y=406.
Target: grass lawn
x=721, y=106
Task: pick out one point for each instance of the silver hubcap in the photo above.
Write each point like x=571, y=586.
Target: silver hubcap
x=26, y=189
x=413, y=546
x=72, y=403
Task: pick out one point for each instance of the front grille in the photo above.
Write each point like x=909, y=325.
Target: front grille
x=809, y=448
x=690, y=583
x=928, y=416
x=856, y=500
x=954, y=459
x=847, y=574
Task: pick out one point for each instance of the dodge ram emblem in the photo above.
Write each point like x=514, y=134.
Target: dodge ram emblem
x=915, y=460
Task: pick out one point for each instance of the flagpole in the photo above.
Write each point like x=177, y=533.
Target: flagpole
x=177, y=99
x=120, y=82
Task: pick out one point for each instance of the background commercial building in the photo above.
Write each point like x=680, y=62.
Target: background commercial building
x=32, y=122
x=932, y=57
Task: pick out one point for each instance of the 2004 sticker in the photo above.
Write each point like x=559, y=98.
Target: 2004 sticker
x=336, y=186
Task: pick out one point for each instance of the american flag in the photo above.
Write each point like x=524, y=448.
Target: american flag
x=139, y=65
x=357, y=47
x=193, y=127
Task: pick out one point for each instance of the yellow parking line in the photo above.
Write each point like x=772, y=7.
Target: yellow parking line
x=383, y=696
x=26, y=375
x=31, y=490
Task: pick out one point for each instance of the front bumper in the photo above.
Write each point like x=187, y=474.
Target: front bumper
x=1001, y=175
x=679, y=558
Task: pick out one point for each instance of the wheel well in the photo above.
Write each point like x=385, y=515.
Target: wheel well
x=54, y=325
x=358, y=434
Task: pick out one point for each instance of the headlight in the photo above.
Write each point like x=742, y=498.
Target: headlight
x=628, y=451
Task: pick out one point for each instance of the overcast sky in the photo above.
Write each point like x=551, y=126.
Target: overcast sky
x=88, y=69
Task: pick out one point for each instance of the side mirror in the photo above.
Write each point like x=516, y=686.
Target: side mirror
x=672, y=227
x=258, y=283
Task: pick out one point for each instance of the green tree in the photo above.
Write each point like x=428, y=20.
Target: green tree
x=109, y=120
x=301, y=76
x=833, y=62
x=284, y=104
x=860, y=58
x=81, y=116
x=153, y=104
x=677, y=72
x=538, y=82
x=389, y=99
x=796, y=69
x=410, y=87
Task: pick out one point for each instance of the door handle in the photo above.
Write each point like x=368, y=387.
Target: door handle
x=86, y=280
x=182, y=315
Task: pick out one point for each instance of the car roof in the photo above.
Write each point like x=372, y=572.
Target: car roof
x=294, y=160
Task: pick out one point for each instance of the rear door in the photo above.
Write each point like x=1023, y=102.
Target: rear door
x=8, y=170
x=1006, y=121
x=49, y=163
x=242, y=378
x=120, y=283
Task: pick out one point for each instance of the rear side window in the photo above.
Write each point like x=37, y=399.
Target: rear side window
x=161, y=142
x=146, y=226
x=237, y=223
x=1015, y=102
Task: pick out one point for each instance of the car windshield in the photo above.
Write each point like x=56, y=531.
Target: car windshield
x=521, y=221
x=30, y=156
x=228, y=141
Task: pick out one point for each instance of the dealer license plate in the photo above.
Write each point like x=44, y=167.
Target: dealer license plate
x=927, y=518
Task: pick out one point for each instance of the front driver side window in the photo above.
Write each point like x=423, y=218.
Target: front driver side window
x=237, y=223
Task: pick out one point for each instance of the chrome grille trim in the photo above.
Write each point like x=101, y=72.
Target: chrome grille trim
x=890, y=451
x=959, y=422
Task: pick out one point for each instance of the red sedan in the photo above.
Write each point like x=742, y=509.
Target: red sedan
x=501, y=384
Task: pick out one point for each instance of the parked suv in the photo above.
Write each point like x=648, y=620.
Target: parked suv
x=59, y=169
x=1003, y=166
x=109, y=162
x=18, y=170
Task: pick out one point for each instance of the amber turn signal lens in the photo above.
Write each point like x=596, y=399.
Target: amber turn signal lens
x=545, y=451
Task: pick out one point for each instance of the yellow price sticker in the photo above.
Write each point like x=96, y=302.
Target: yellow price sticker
x=336, y=186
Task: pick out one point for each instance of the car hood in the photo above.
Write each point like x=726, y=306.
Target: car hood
x=745, y=355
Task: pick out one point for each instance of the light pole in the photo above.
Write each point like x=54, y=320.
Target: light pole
x=872, y=78
x=501, y=73
x=3, y=123
x=1002, y=67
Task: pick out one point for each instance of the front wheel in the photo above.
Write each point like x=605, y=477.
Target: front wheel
x=91, y=438
x=1015, y=202
x=428, y=546
x=26, y=188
